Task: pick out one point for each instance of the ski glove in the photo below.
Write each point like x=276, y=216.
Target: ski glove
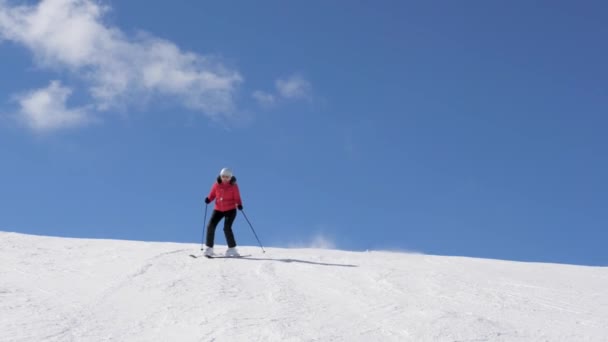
x=207, y=201
x=240, y=207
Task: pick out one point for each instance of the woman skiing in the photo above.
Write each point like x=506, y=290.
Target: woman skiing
x=227, y=198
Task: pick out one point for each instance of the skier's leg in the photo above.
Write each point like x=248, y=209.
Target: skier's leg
x=230, y=216
x=215, y=219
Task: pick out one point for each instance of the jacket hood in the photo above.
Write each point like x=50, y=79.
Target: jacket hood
x=232, y=180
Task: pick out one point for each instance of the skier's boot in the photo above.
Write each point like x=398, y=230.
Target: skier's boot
x=232, y=252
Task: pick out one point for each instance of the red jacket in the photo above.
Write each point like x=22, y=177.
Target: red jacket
x=227, y=195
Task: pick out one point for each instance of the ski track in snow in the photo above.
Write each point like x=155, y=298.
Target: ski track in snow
x=58, y=289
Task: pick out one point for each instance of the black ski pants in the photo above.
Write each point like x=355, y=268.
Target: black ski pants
x=216, y=217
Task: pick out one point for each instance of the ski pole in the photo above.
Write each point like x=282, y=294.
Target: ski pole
x=256, y=235
x=204, y=226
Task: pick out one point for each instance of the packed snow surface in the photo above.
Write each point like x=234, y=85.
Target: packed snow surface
x=65, y=289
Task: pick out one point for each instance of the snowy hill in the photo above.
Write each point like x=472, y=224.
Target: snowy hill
x=59, y=289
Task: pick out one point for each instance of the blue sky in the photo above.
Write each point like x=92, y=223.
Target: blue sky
x=474, y=129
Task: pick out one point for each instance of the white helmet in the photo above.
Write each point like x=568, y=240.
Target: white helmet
x=226, y=172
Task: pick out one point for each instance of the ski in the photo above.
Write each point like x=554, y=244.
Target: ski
x=226, y=256
x=219, y=256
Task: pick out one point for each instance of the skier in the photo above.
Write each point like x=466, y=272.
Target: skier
x=227, y=198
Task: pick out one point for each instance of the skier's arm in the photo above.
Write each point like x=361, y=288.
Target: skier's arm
x=237, y=194
x=211, y=195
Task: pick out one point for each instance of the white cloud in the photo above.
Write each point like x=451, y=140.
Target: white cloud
x=263, y=98
x=45, y=109
x=293, y=87
x=70, y=35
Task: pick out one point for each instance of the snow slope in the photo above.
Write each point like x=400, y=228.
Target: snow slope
x=60, y=289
